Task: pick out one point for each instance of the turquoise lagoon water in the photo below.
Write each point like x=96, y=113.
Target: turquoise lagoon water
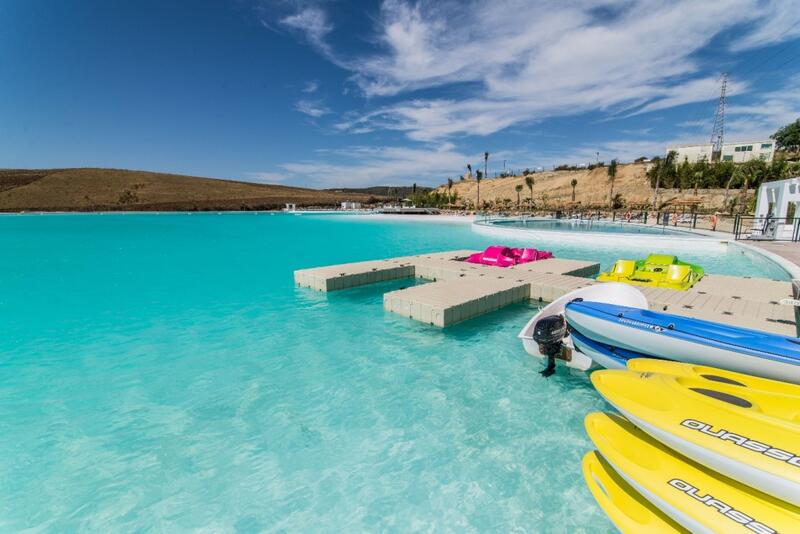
x=161, y=372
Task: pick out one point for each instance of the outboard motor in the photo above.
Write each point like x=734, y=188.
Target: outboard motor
x=548, y=334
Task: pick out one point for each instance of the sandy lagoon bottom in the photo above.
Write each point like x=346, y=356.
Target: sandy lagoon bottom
x=162, y=372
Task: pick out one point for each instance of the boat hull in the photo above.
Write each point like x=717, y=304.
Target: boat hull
x=692, y=494
x=608, y=292
x=603, y=355
x=718, y=421
x=650, y=335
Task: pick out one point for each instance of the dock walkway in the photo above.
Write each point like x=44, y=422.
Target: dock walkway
x=458, y=291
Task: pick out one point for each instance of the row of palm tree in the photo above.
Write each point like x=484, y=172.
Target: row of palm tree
x=529, y=182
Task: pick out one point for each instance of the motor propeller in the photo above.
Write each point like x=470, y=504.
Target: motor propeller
x=548, y=334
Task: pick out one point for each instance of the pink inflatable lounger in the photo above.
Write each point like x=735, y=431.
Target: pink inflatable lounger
x=501, y=256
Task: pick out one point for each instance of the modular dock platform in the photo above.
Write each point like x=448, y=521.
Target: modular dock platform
x=458, y=291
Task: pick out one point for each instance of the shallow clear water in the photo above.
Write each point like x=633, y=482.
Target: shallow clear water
x=606, y=227
x=161, y=372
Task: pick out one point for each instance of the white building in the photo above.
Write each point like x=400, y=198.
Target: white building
x=776, y=209
x=738, y=152
x=347, y=205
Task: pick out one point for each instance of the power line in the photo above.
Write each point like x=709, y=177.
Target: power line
x=754, y=64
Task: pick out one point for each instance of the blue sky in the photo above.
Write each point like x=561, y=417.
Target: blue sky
x=334, y=93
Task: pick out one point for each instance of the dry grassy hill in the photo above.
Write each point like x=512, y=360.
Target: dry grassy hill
x=553, y=189
x=115, y=189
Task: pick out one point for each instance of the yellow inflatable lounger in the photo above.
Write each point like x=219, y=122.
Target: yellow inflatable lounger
x=693, y=495
x=625, y=507
x=657, y=270
x=745, y=428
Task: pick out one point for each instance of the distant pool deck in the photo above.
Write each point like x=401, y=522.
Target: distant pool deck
x=458, y=291
x=785, y=254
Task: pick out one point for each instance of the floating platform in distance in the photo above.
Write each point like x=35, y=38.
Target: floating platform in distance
x=459, y=291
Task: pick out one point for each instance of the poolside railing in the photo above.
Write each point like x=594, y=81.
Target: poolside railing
x=740, y=226
x=766, y=228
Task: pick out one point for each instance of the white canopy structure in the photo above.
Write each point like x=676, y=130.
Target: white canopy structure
x=777, y=205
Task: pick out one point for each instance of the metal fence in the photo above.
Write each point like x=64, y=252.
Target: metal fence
x=766, y=228
x=741, y=226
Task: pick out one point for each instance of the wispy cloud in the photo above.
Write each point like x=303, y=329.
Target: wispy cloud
x=362, y=165
x=529, y=61
x=699, y=90
x=312, y=108
x=637, y=131
x=764, y=115
x=311, y=21
x=310, y=87
x=509, y=63
x=779, y=20
x=550, y=59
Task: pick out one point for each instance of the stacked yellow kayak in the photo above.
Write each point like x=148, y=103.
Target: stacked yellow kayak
x=657, y=270
x=698, y=448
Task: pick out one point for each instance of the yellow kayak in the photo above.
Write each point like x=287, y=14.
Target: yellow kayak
x=624, y=506
x=688, y=370
x=691, y=494
x=749, y=434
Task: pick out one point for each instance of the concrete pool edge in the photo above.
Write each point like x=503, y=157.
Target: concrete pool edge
x=701, y=239
x=792, y=269
x=644, y=241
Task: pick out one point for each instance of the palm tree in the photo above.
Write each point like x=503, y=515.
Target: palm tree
x=573, y=183
x=478, y=177
x=449, y=189
x=735, y=175
x=529, y=182
x=665, y=166
x=518, y=189
x=486, y=164
x=698, y=176
x=752, y=172
x=469, y=170
x=612, y=175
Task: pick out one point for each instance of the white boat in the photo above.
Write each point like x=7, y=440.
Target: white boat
x=610, y=292
x=622, y=332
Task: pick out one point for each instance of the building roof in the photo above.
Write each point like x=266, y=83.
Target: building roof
x=753, y=142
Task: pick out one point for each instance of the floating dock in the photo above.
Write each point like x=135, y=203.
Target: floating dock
x=458, y=291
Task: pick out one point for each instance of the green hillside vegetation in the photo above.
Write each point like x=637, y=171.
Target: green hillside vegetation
x=666, y=174
x=124, y=190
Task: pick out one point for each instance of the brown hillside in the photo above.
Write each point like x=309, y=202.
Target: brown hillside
x=552, y=189
x=115, y=189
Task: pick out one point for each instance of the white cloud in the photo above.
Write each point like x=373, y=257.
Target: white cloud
x=517, y=62
x=312, y=22
x=624, y=150
x=527, y=61
x=779, y=20
x=361, y=166
x=699, y=90
x=763, y=116
x=312, y=108
x=310, y=87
